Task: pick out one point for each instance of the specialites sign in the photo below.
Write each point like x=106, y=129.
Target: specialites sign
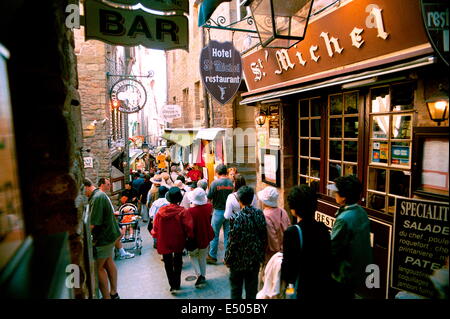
x=435, y=16
x=128, y=95
x=421, y=244
x=135, y=27
x=221, y=70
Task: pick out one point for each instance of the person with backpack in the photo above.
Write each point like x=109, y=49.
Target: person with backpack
x=307, y=259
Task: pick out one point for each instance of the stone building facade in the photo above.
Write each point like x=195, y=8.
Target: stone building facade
x=199, y=108
x=48, y=136
x=104, y=127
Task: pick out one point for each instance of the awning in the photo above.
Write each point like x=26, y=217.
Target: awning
x=343, y=80
x=183, y=137
x=134, y=155
x=208, y=133
x=207, y=9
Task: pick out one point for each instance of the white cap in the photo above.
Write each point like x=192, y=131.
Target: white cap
x=197, y=196
x=269, y=196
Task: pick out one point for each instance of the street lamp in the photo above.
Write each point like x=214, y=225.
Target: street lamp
x=280, y=23
x=437, y=106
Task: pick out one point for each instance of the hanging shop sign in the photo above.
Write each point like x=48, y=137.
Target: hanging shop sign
x=435, y=17
x=221, y=70
x=159, y=5
x=170, y=112
x=88, y=162
x=421, y=244
x=378, y=32
x=135, y=27
x=129, y=95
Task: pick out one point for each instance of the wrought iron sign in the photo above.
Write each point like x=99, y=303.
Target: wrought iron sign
x=129, y=95
x=221, y=70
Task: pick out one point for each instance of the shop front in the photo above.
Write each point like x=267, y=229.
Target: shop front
x=202, y=147
x=351, y=98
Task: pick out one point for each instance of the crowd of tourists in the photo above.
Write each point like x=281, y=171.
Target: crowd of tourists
x=270, y=251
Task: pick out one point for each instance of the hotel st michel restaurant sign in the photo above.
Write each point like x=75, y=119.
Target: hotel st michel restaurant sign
x=129, y=23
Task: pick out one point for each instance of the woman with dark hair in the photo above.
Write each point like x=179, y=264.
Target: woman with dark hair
x=171, y=227
x=306, y=248
x=232, y=206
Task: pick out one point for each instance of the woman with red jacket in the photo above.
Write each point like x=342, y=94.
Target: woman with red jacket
x=171, y=227
x=200, y=213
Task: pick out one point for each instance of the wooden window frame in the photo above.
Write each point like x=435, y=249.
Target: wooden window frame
x=388, y=167
x=310, y=138
x=342, y=138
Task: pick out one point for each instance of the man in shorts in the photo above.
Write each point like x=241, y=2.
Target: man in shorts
x=105, y=232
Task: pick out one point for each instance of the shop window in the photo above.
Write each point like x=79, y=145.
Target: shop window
x=309, y=141
x=343, y=127
x=389, y=170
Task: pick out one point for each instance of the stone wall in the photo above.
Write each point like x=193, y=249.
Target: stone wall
x=47, y=121
x=91, y=58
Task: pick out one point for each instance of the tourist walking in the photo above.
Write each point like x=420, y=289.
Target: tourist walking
x=232, y=206
x=104, y=185
x=247, y=246
x=218, y=193
x=200, y=213
x=171, y=227
x=306, y=248
x=105, y=231
x=277, y=221
x=143, y=192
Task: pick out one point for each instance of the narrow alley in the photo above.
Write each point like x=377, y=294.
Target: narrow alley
x=143, y=277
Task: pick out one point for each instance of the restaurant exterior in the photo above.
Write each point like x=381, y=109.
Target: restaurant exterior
x=351, y=98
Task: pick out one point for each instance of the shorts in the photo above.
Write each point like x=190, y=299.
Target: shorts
x=104, y=252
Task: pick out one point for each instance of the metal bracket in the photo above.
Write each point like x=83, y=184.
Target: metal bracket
x=221, y=21
x=149, y=75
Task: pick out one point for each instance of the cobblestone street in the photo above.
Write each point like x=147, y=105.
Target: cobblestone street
x=144, y=277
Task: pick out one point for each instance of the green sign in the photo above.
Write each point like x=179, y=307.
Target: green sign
x=135, y=27
x=160, y=5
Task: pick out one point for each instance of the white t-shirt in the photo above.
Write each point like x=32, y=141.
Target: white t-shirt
x=232, y=206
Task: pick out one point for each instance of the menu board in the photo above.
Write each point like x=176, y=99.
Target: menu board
x=435, y=164
x=421, y=244
x=270, y=167
x=11, y=219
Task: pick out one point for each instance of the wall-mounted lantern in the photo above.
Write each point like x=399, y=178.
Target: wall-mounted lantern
x=280, y=23
x=437, y=106
x=261, y=118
